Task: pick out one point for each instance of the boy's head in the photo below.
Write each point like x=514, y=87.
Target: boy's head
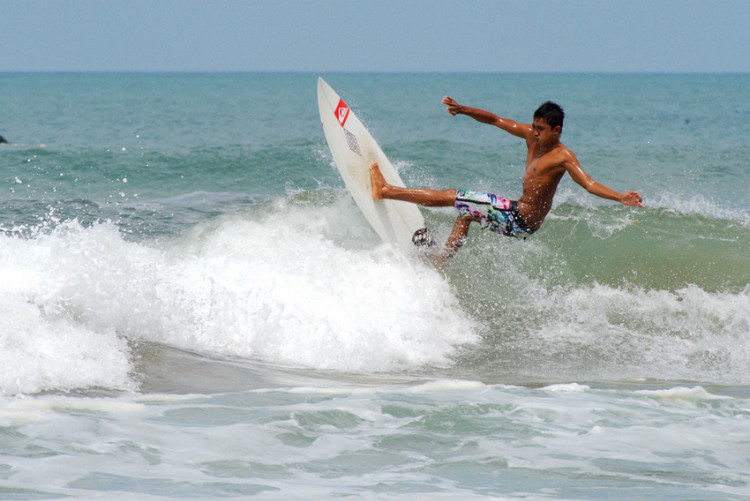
x=552, y=113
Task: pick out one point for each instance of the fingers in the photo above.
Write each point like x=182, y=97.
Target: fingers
x=452, y=105
x=637, y=199
x=632, y=198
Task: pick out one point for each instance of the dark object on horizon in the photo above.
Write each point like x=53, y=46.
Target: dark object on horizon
x=2, y=140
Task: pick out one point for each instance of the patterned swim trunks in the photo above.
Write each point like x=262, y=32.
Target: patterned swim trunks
x=497, y=214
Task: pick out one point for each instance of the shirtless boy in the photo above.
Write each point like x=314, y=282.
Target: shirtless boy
x=547, y=160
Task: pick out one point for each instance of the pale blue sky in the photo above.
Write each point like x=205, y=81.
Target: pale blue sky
x=377, y=36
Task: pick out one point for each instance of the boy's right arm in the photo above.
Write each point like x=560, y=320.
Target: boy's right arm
x=512, y=127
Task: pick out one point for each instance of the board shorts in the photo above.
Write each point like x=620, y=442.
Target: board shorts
x=494, y=213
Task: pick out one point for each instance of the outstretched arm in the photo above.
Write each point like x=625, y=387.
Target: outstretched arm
x=630, y=198
x=487, y=117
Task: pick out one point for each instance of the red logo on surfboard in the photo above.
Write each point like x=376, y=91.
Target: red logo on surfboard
x=342, y=112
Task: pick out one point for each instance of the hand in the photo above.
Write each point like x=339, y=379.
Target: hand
x=631, y=198
x=453, y=106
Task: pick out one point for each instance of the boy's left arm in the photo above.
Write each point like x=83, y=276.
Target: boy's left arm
x=629, y=198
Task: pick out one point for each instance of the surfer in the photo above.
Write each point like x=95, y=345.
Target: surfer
x=547, y=160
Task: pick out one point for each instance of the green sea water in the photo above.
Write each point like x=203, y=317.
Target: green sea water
x=195, y=308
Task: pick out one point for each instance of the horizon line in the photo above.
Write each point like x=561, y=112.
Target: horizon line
x=377, y=72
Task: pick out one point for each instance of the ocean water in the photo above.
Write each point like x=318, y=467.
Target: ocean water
x=194, y=308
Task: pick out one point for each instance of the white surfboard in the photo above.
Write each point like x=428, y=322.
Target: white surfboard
x=354, y=150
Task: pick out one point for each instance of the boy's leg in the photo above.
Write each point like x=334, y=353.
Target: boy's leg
x=455, y=240
x=428, y=198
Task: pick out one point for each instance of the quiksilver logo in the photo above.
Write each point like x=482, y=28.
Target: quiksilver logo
x=342, y=112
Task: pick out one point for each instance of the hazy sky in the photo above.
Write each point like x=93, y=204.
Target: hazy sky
x=376, y=35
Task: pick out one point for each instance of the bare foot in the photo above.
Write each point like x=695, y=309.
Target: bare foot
x=377, y=181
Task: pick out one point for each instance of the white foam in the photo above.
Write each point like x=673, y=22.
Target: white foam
x=697, y=204
x=117, y=406
x=273, y=287
x=447, y=385
x=623, y=333
x=278, y=290
x=681, y=394
x=41, y=349
x=42, y=346
x=304, y=285
x=569, y=387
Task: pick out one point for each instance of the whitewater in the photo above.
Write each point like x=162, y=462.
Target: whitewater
x=193, y=307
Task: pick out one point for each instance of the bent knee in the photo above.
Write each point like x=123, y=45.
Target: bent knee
x=467, y=219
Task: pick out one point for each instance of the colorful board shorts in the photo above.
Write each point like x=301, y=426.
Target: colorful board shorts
x=497, y=214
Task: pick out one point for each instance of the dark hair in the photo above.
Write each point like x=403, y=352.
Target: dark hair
x=552, y=113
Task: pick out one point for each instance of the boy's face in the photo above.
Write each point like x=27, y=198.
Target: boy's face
x=543, y=133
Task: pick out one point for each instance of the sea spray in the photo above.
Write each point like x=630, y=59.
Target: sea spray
x=272, y=288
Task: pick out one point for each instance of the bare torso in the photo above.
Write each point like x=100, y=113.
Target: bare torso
x=547, y=161
x=544, y=169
